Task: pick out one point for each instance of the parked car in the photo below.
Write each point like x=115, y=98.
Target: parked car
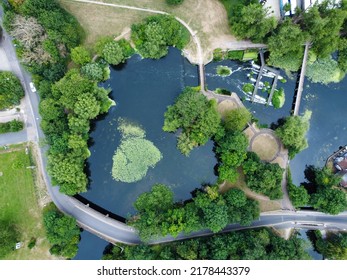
x=32, y=87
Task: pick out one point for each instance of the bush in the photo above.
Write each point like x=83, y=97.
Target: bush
x=278, y=98
x=324, y=71
x=153, y=37
x=12, y=126
x=223, y=71
x=80, y=55
x=32, y=243
x=218, y=55
x=235, y=55
x=237, y=119
x=93, y=71
x=11, y=90
x=222, y=91
x=249, y=88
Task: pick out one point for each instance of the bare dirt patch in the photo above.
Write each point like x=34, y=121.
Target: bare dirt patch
x=265, y=146
x=225, y=106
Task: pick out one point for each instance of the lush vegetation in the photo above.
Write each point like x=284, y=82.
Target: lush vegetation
x=248, y=88
x=251, y=21
x=333, y=247
x=237, y=119
x=20, y=214
x=241, y=245
x=323, y=25
x=298, y=195
x=134, y=155
x=278, y=98
x=292, y=131
x=11, y=91
x=153, y=37
x=11, y=126
x=324, y=70
x=9, y=236
x=223, y=71
x=62, y=232
x=196, y=116
x=231, y=150
x=325, y=195
x=158, y=215
x=263, y=177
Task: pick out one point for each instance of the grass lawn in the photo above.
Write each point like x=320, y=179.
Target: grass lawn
x=18, y=203
x=265, y=146
x=208, y=18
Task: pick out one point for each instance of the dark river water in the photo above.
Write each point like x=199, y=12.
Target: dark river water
x=144, y=88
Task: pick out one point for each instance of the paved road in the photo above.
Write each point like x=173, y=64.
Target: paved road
x=115, y=231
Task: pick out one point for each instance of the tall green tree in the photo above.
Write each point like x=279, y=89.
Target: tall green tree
x=80, y=55
x=197, y=117
x=62, y=232
x=8, y=238
x=253, y=23
x=237, y=119
x=11, y=90
x=329, y=200
x=293, y=133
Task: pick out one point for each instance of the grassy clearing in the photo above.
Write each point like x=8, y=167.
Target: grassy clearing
x=265, y=146
x=207, y=17
x=225, y=106
x=265, y=204
x=18, y=203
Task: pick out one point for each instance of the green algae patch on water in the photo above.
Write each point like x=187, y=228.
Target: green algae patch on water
x=135, y=154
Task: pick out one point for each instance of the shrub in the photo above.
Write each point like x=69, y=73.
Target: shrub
x=174, y=2
x=235, y=55
x=278, y=98
x=12, y=126
x=223, y=71
x=32, y=243
x=80, y=55
x=11, y=90
x=248, y=88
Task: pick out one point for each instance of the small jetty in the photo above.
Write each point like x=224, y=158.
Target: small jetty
x=268, y=72
x=298, y=93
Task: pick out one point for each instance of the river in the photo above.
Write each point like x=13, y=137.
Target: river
x=144, y=88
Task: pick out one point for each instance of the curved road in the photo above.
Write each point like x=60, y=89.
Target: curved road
x=115, y=231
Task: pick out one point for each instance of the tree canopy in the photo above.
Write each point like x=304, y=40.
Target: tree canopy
x=252, y=22
x=237, y=119
x=293, y=133
x=8, y=238
x=153, y=37
x=11, y=91
x=196, y=116
x=62, y=232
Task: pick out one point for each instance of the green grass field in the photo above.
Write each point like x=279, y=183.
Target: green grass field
x=18, y=203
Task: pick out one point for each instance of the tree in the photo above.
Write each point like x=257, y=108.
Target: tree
x=237, y=119
x=80, y=55
x=153, y=37
x=285, y=44
x=334, y=246
x=324, y=177
x=252, y=23
x=113, y=53
x=263, y=177
x=197, y=117
x=329, y=200
x=8, y=238
x=93, y=71
x=11, y=91
x=87, y=106
x=62, y=232
x=298, y=195
x=293, y=133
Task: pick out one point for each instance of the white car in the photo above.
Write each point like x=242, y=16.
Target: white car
x=32, y=87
